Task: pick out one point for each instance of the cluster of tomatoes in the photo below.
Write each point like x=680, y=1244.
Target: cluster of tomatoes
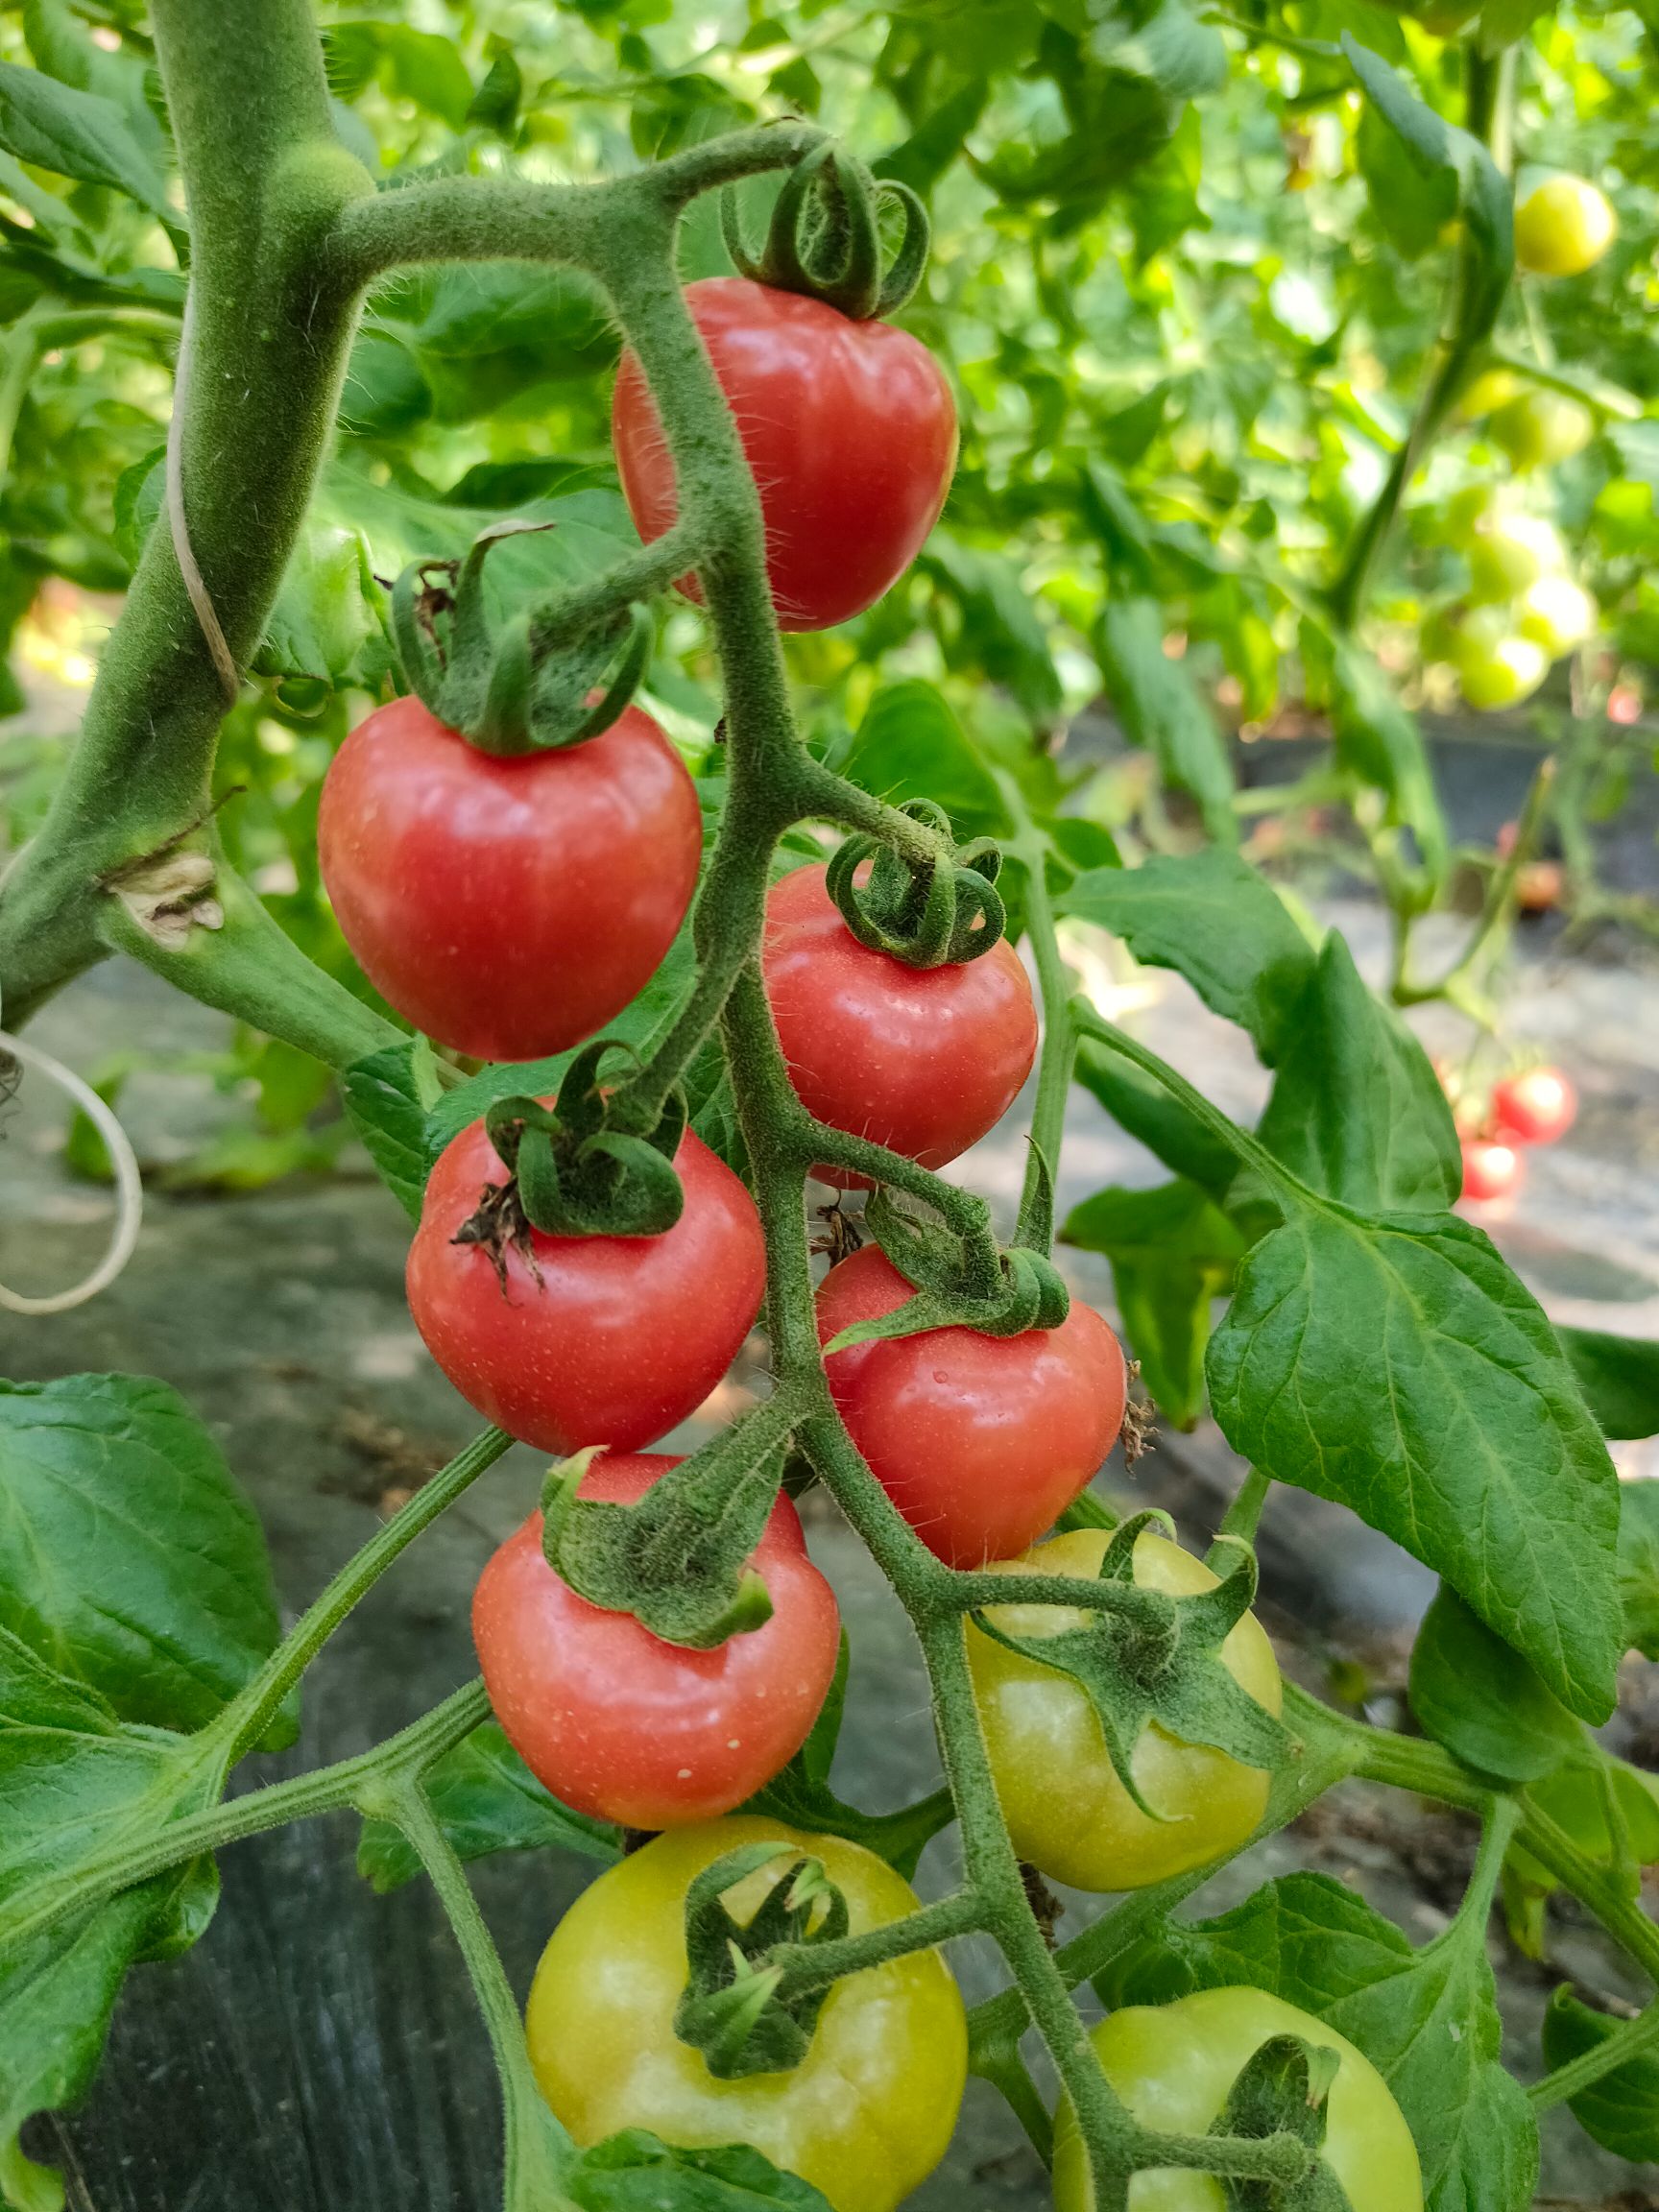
x=509, y=907
x=1535, y=1106
x=1523, y=611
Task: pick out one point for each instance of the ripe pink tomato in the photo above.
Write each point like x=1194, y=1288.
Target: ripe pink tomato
x=1536, y=1107
x=980, y=1441
x=594, y=1339
x=623, y=1726
x=507, y=907
x=1490, y=1171
x=923, y=1060
x=849, y=427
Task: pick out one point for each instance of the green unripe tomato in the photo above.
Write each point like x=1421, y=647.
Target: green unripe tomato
x=866, y=2115
x=1509, y=552
x=1173, y=2066
x=1496, y=665
x=1470, y=509
x=1563, y=226
x=1536, y=429
x=1067, y=1812
x=1486, y=392
x=1556, y=614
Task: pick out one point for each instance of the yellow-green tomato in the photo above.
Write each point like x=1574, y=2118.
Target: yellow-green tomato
x=1173, y=2066
x=1538, y=429
x=1563, y=226
x=1496, y=665
x=1065, y=1809
x=1508, y=552
x=1470, y=510
x=1556, y=614
x=865, y=2116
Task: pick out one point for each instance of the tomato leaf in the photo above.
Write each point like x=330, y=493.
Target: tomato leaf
x=389, y=1097
x=636, y=2173
x=1622, y=2110
x=1356, y=1112
x=128, y=1557
x=1216, y=920
x=1638, y=1564
x=78, y=134
x=1439, y=149
x=486, y=1800
x=1167, y=1128
x=1383, y=744
x=910, y=745
x=1427, y=2020
x=1398, y=1367
x=73, y=1779
x=1173, y=1254
x=999, y=629
x=1161, y=708
x=1620, y=1377
x=1478, y=1698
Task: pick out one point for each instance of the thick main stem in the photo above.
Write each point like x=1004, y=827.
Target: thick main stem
x=265, y=179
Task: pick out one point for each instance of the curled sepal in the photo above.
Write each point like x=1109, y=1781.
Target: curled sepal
x=572, y=1176
x=678, y=1558
x=1027, y=1292
x=937, y=912
x=825, y=237
x=1160, y=1664
x=1284, y=2088
x=546, y=679
x=737, y=2007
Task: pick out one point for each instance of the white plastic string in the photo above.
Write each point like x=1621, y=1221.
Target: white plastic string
x=128, y=1188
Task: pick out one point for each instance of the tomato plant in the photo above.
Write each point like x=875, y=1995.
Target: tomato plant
x=618, y=1724
x=569, y=1341
x=600, y=914
x=923, y=1060
x=980, y=1441
x=426, y=844
x=866, y=2115
x=849, y=427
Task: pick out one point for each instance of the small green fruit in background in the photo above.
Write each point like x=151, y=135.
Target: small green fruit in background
x=1563, y=226
x=1508, y=553
x=1538, y=429
x=1496, y=665
x=1556, y=614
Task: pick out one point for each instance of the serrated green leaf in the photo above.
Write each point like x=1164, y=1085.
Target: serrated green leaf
x=1399, y=1367
x=1480, y=1699
x=1216, y=920
x=1173, y=1254
x=389, y=1097
x=79, y=134
x=1161, y=708
x=636, y=2173
x=1622, y=2110
x=1620, y=1377
x=1638, y=1564
x=1357, y=1111
x=128, y=1557
x=910, y=745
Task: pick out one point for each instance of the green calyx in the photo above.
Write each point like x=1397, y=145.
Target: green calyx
x=1158, y=1661
x=934, y=913
x=542, y=682
x=952, y=1284
x=825, y=237
x=737, y=2008
x=575, y=1176
x=676, y=1559
x=1282, y=2089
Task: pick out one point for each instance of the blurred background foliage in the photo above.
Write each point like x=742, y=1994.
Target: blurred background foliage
x=1187, y=279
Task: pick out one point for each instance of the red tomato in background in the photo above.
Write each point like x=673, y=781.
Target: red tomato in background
x=849, y=429
x=623, y=1726
x=604, y=1339
x=507, y=907
x=923, y=1060
x=982, y=1442
x=1490, y=1171
x=1534, y=1108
